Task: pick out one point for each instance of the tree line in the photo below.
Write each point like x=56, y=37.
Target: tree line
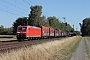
x=6, y=31
x=35, y=18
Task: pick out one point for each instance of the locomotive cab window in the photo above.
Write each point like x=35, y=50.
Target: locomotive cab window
x=19, y=28
x=22, y=28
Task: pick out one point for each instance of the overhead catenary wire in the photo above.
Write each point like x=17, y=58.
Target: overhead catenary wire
x=19, y=3
x=14, y=5
x=31, y=2
x=10, y=12
x=26, y=2
x=17, y=6
x=10, y=8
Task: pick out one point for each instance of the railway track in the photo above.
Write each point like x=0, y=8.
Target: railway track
x=14, y=44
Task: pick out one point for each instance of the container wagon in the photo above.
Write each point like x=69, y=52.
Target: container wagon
x=59, y=33
x=51, y=32
x=56, y=34
x=44, y=32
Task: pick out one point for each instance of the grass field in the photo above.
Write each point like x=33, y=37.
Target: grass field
x=7, y=36
x=54, y=50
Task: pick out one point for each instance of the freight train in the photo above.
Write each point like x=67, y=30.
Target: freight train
x=33, y=32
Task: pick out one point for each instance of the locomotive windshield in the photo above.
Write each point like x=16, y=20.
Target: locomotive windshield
x=22, y=28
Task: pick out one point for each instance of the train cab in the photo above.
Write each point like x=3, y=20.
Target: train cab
x=21, y=32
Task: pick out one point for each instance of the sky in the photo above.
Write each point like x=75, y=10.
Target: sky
x=73, y=10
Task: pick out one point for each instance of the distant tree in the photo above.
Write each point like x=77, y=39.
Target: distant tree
x=34, y=16
x=53, y=22
x=19, y=21
x=69, y=28
x=1, y=29
x=5, y=30
x=85, y=28
x=43, y=21
x=9, y=30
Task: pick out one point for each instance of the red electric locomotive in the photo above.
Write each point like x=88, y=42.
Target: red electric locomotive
x=28, y=32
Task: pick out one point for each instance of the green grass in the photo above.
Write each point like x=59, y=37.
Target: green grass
x=7, y=36
x=72, y=48
x=88, y=38
x=86, y=47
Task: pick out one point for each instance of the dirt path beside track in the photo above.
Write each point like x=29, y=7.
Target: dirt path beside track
x=82, y=50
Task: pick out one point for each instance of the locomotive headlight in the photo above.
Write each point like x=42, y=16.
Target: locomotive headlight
x=24, y=32
x=18, y=32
